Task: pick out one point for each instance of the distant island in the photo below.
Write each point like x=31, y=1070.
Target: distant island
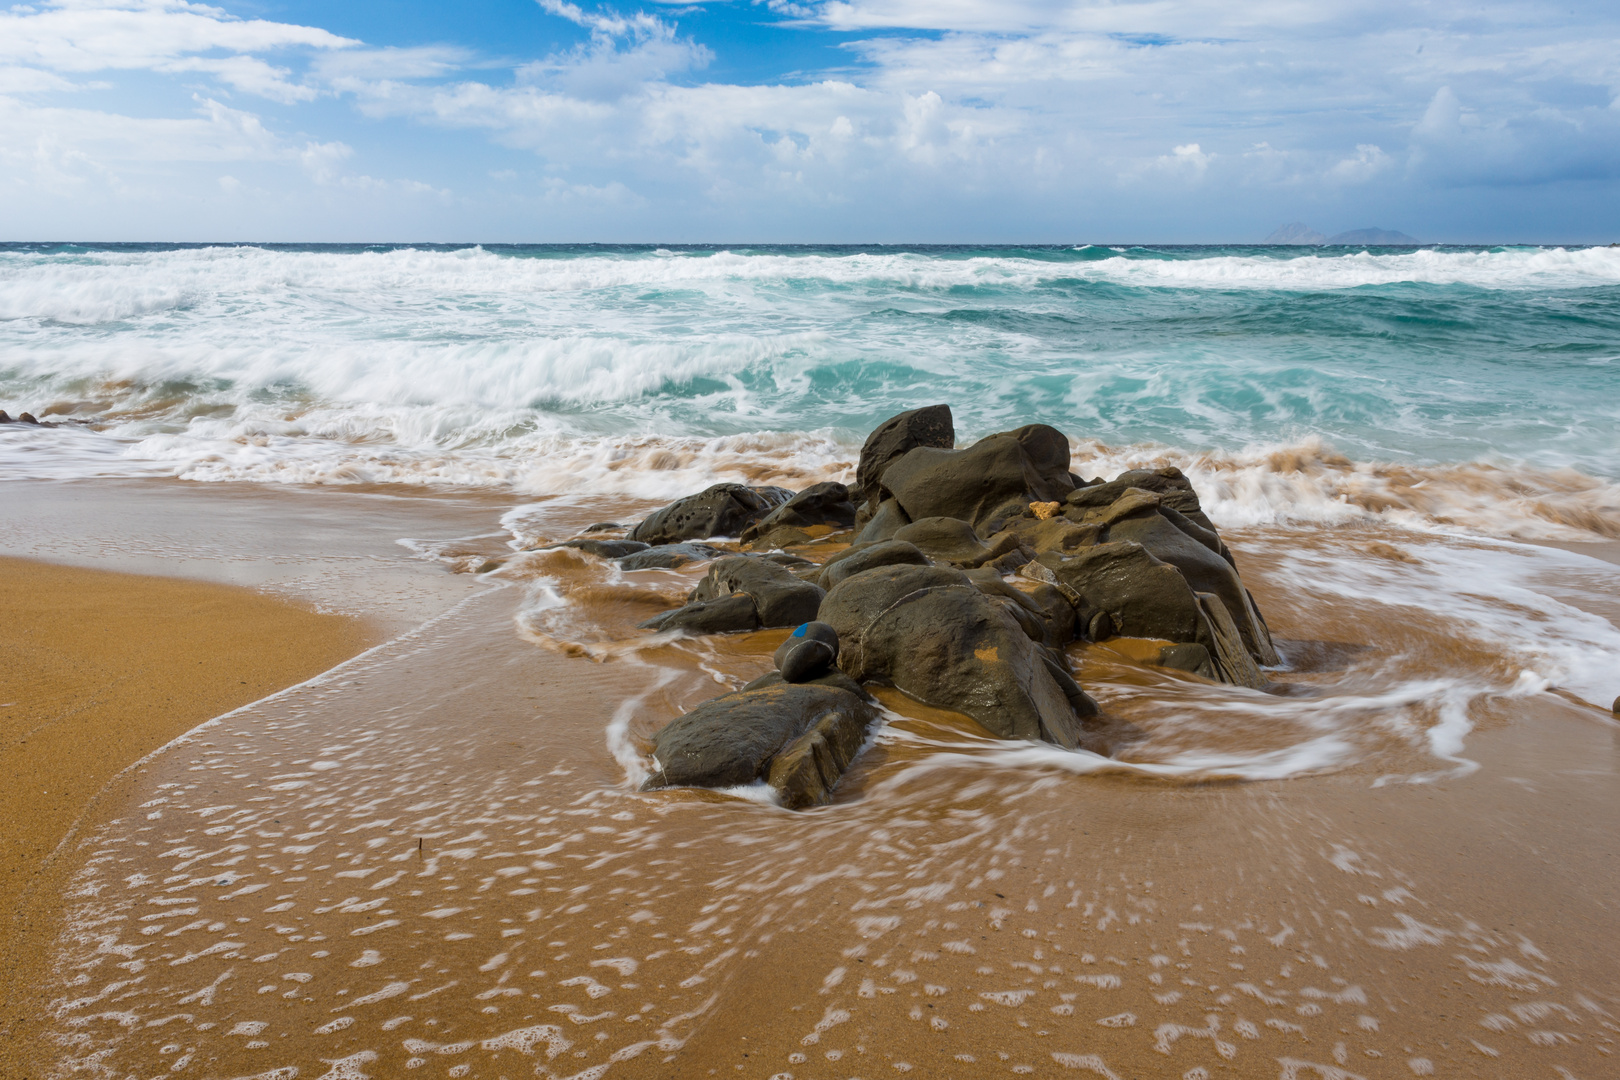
x=1298, y=232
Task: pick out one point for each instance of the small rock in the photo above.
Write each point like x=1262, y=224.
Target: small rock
x=1045, y=511
x=809, y=652
x=670, y=556
x=606, y=549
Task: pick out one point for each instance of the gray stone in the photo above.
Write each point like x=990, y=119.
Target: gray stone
x=825, y=504
x=986, y=484
x=810, y=651
x=605, y=549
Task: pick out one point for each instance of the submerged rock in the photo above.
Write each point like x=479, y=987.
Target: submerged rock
x=721, y=510
x=798, y=738
x=605, y=549
x=669, y=556
x=742, y=592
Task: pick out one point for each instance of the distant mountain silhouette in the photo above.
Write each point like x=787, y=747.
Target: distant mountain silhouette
x=1374, y=237
x=1296, y=232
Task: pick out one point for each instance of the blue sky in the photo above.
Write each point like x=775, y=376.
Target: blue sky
x=808, y=120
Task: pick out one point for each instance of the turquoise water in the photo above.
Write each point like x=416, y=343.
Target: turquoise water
x=496, y=357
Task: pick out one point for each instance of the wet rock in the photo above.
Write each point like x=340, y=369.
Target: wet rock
x=1138, y=517
x=855, y=560
x=725, y=615
x=1170, y=483
x=954, y=541
x=1193, y=658
x=986, y=484
x=721, y=510
x=1054, y=534
x=885, y=521
x=27, y=418
x=799, y=738
x=1043, y=611
x=808, y=653
x=780, y=598
x=604, y=526
x=670, y=556
x=930, y=632
x=896, y=436
x=832, y=677
x=1142, y=596
x=820, y=505
x=1122, y=588
x=605, y=549
x=5, y=417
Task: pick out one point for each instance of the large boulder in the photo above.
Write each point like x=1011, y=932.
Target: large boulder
x=890, y=440
x=797, y=737
x=721, y=510
x=1122, y=588
x=736, y=586
x=930, y=632
x=995, y=479
x=825, y=504
x=1203, y=568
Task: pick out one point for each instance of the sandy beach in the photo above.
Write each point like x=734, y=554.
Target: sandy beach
x=102, y=669
x=433, y=860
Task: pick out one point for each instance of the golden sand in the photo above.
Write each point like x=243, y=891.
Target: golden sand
x=97, y=670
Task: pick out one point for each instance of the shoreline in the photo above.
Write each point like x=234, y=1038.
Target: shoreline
x=103, y=669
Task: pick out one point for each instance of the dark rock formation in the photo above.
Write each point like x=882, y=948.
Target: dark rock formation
x=896, y=436
x=721, y=510
x=989, y=482
x=774, y=595
x=954, y=541
x=798, y=738
x=933, y=634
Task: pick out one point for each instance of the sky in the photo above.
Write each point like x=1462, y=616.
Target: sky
x=830, y=121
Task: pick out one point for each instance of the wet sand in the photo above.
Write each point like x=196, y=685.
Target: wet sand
x=433, y=863
x=100, y=670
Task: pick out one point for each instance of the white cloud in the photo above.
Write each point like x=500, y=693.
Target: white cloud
x=80, y=36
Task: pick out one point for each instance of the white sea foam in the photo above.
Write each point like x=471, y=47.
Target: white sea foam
x=115, y=286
